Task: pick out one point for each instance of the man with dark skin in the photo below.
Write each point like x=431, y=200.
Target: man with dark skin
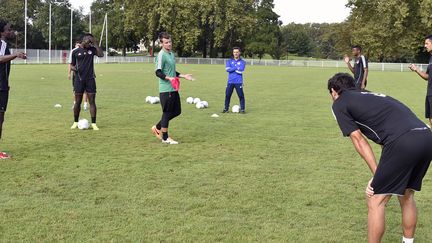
x=6, y=33
x=360, y=69
x=85, y=79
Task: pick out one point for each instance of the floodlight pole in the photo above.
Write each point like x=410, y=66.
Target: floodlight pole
x=49, y=39
x=71, y=29
x=106, y=37
x=25, y=27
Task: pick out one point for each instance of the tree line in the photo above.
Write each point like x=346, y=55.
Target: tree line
x=388, y=31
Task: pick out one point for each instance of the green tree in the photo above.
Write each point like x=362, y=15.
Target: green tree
x=267, y=37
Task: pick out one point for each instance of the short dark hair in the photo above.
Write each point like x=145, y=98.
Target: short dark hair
x=237, y=48
x=340, y=82
x=164, y=35
x=429, y=37
x=357, y=47
x=3, y=24
x=84, y=36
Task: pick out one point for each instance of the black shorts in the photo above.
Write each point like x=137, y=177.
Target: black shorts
x=170, y=102
x=404, y=163
x=428, y=106
x=4, y=98
x=81, y=86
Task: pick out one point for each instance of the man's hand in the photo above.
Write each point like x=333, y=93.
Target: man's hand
x=369, y=190
x=21, y=55
x=413, y=67
x=347, y=59
x=188, y=77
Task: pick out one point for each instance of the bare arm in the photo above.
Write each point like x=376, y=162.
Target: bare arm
x=366, y=72
x=347, y=61
x=415, y=69
x=11, y=57
x=99, y=51
x=364, y=149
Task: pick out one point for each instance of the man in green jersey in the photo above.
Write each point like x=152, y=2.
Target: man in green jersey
x=168, y=88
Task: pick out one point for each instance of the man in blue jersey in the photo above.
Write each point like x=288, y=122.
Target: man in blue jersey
x=235, y=68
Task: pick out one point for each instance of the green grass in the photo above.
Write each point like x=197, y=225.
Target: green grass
x=280, y=173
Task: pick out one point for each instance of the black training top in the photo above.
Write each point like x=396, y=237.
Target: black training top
x=359, y=65
x=4, y=67
x=380, y=118
x=429, y=72
x=82, y=59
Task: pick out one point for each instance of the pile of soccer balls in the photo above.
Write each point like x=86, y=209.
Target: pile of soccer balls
x=152, y=100
x=197, y=102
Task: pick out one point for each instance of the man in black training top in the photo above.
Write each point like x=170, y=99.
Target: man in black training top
x=406, y=150
x=6, y=57
x=428, y=77
x=84, y=78
x=360, y=69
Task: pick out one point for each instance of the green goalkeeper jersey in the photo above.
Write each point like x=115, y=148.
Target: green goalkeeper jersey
x=165, y=61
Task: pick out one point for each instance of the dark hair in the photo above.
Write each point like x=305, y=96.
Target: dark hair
x=3, y=24
x=164, y=35
x=85, y=36
x=340, y=82
x=357, y=47
x=429, y=37
x=237, y=48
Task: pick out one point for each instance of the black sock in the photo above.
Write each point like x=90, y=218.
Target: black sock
x=76, y=118
x=93, y=119
x=164, y=135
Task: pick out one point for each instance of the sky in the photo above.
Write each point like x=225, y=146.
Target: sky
x=311, y=11
x=298, y=11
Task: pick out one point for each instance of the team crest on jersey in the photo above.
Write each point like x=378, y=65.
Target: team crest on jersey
x=238, y=63
x=79, y=54
x=89, y=52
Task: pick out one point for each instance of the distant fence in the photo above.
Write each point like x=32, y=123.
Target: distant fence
x=61, y=56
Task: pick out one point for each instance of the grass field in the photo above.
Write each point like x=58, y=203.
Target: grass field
x=280, y=173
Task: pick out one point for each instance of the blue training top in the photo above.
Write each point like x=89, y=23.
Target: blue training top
x=235, y=70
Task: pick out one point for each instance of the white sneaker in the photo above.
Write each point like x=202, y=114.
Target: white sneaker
x=170, y=141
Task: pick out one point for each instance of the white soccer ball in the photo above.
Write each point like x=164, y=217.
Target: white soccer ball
x=205, y=103
x=148, y=99
x=196, y=100
x=190, y=100
x=236, y=109
x=154, y=100
x=83, y=124
x=199, y=105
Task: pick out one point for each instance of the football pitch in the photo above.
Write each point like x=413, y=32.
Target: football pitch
x=280, y=173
